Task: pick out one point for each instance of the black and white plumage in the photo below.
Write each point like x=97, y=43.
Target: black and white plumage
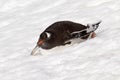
x=85, y=32
x=60, y=33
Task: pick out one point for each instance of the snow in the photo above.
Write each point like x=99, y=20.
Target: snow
x=21, y=22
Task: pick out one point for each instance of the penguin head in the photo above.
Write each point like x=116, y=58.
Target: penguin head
x=45, y=35
x=46, y=40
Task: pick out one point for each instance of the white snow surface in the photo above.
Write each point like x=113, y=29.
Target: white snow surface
x=22, y=21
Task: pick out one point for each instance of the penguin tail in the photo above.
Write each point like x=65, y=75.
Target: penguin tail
x=92, y=27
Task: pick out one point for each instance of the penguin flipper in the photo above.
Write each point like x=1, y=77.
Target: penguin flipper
x=68, y=42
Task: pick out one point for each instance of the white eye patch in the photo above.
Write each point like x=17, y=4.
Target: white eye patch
x=48, y=34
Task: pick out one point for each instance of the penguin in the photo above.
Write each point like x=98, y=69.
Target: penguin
x=60, y=33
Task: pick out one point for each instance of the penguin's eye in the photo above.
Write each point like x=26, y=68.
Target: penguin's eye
x=48, y=35
x=45, y=36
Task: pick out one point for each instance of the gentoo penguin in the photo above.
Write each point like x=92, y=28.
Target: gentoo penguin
x=60, y=33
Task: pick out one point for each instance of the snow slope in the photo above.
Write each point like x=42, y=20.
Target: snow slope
x=21, y=22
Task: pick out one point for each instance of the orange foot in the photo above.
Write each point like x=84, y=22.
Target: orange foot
x=93, y=35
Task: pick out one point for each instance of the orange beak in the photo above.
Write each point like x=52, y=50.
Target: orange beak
x=40, y=42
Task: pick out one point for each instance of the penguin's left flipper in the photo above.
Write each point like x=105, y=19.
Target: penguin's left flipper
x=68, y=42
